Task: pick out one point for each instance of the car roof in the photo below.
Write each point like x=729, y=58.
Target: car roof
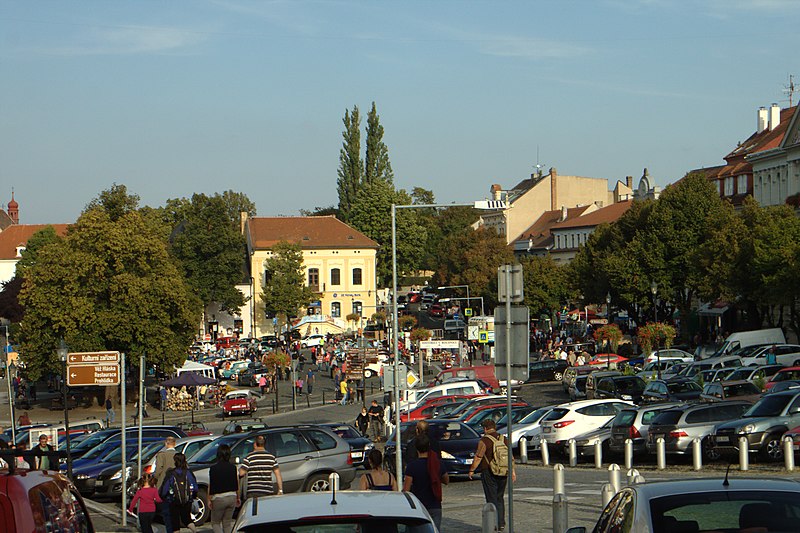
x=657, y=489
x=582, y=403
x=307, y=505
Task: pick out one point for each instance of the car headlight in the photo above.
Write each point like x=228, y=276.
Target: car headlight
x=749, y=428
x=446, y=455
x=118, y=475
x=627, y=397
x=81, y=476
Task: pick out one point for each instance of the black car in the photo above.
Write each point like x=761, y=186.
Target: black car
x=360, y=445
x=547, y=370
x=672, y=390
x=628, y=388
x=457, y=442
x=247, y=377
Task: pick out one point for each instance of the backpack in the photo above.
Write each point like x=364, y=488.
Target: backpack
x=499, y=463
x=180, y=488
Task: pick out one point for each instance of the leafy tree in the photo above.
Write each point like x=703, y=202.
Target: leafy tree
x=351, y=167
x=10, y=308
x=110, y=284
x=37, y=241
x=406, y=322
x=420, y=196
x=210, y=246
x=610, y=334
x=441, y=224
x=285, y=291
x=376, y=163
x=320, y=211
x=546, y=285
x=115, y=201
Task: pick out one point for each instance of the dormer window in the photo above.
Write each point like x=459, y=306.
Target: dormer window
x=20, y=249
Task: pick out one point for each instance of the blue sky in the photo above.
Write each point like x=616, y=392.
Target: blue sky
x=172, y=98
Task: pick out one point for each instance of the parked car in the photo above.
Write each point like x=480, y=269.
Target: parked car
x=628, y=388
x=547, y=370
x=366, y=511
x=495, y=412
x=680, y=425
x=570, y=419
x=572, y=372
x=763, y=425
x=782, y=386
x=438, y=406
x=313, y=340
x=673, y=354
x=457, y=442
x=585, y=442
x=656, y=369
x=415, y=397
x=673, y=390
x=436, y=310
x=195, y=429
x=714, y=374
x=594, y=378
x=240, y=402
x=249, y=376
x=634, y=423
x=189, y=446
x=785, y=355
x=360, y=445
x=244, y=426
x=752, y=373
x=482, y=372
x=307, y=456
x=730, y=390
x=528, y=427
x=577, y=391
x=692, y=505
x=791, y=373
x=674, y=370
x=101, y=476
x=232, y=372
x=610, y=360
x=114, y=436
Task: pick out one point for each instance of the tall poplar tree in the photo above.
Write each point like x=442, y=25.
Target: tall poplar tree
x=377, y=165
x=351, y=167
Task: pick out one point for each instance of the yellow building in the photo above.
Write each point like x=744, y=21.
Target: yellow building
x=339, y=264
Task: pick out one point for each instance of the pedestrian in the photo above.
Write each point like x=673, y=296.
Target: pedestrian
x=344, y=391
x=419, y=430
x=180, y=492
x=310, y=378
x=298, y=384
x=375, y=422
x=147, y=498
x=109, y=412
x=377, y=478
x=362, y=421
x=43, y=462
x=491, y=458
x=24, y=419
x=223, y=491
x=163, y=394
x=772, y=358
x=424, y=478
x=164, y=461
x=262, y=471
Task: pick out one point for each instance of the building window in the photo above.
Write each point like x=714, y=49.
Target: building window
x=357, y=276
x=721, y=187
x=336, y=276
x=357, y=308
x=336, y=309
x=741, y=185
x=313, y=278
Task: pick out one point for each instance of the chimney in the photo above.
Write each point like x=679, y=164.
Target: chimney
x=497, y=191
x=774, y=116
x=762, y=119
x=242, y=220
x=553, y=188
x=563, y=213
x=629, y=182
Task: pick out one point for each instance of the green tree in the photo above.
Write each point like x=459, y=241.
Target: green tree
x=210, y=246
x=285, y=291
x=10, y=309
x=110, y=284
x=351, y=166
x=376, y=163
x=35, y=244
x=115, y=201
x=546, y=285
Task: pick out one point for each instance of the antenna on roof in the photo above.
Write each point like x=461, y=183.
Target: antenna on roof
x=726, y=483
x=789, y=89
x=538, y=166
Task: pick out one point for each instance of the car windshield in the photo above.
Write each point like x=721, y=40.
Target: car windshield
x=632, y=385
x=667, y=418
x=728, y=510
x=517, y=414
x=94, y=440
x=346, y=432
x=208, y=453
x=742, y=373
x=740, y=389
x=770, y=405
x=532, y=418
x=683, y=386
x=344, y=524
x=149, y=451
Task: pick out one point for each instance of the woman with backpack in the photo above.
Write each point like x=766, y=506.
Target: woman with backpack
x=491, y=458
x=180, y=491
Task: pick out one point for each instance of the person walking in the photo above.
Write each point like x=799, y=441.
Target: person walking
x=165, y=459
x=223, y=491
x=344, y=390
x=147, y=498
x=375, y=421
x=491, y=458
x=420, y=429
x=180, y=491
x=262, y=382
x=377, y=478
x=42, y=462
x=310, y=378
x=424, y=478
x=109, y=412
x=262, y=471
x=163, y=394
x=362, y=421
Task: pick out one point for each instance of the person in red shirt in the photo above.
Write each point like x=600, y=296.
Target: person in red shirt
x=147, y=497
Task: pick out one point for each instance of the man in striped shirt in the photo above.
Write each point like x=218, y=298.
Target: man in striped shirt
x=262, y=471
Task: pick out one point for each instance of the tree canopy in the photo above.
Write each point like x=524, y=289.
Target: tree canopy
x=285, y=291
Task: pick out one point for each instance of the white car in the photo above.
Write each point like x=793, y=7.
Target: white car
x=529, y=428
x=672, y=354
x=569, y=420
x=313, y=340
x=785, y=354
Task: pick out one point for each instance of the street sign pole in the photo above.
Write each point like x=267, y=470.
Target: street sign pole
x=508, y=394
x=124, y=444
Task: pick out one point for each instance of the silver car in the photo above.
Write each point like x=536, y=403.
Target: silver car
x=738, y=504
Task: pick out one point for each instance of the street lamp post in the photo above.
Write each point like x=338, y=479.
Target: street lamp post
x=63, y=351
x=7, y=348
x=654, y=291
x=608, y=318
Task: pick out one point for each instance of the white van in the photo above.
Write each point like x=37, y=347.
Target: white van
x=741, y=339
x=413, y=397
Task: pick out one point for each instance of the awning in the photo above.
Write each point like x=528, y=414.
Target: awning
x=712, y=309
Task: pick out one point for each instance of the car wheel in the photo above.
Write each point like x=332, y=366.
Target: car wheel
x=317, y=483
x=201, y=517
x=367, y=373
x=796, y=363
x=772, y=449
x=558, y=376
x=710, y=453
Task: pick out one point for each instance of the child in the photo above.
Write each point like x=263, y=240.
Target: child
x=147, y=497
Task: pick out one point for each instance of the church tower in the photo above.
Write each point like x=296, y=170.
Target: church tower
x=13, y=209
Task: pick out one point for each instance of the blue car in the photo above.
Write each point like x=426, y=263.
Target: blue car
x=101, y=475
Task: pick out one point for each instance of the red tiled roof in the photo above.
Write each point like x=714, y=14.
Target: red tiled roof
x=309, y=232
x=18, y=235
x=539, y=232
x=766, y=140
x=595, y=218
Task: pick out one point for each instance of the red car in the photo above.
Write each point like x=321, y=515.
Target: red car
x=239, y=402
x=607, y=358
x=436, y=310
x=791, y=373
x=429, y=407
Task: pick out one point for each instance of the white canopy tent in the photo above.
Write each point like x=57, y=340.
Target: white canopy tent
x=192, y=366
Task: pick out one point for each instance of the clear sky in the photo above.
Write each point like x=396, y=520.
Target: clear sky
x=176, y=97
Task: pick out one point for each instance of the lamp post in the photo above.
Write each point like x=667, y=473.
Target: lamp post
x=608, y=317
x=458, y=287
x=654, y=291
x=63, y=351
x=7, y=348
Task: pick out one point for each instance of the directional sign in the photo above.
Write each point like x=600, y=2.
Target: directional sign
x=87, y=375
x=443, y=345
x=90, y=358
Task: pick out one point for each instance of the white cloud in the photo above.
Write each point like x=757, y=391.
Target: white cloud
x=127, y=40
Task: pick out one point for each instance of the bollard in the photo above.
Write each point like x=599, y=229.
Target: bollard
x=606, y=493
x=545, y=452
x=613, y=476
x=598, y=454
x=628, y=454
x=523, y=450
x=273, y=407
x=661, y=453
x=488, y=518
x=632, y=474
x=560, y=512
x=697, y=453
x=333, y=482
x=743, y=457
x=558, y=479
x=788, y=453
x=573, y=453
x=323, y=397
x=638, y=480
